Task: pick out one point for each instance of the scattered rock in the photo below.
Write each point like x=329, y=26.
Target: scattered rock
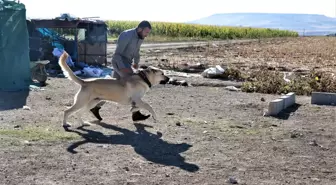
x=262, y=99
x=102, y=146
x=17, y=126
x=173, y=81
x=204, y=132
x=136, y=174
x=213, y=72
x=274, y=125
x=183, y=83
x=314, y=143
x=1, y=119
x=167, y=175
x=144, y=66
x=126, y=169
x=295, y=134
x=48, y=98
x=271, y=68
x=301, y=70
x=27, y=143
x=178, y=124
x=192, y=68
x=131, y=182
x=237, y=126
x=315, y=179
x=233, y=180
x=159, y=134
x=170, y=113
x=232, y=88
x=266, y=114
x=26, y=107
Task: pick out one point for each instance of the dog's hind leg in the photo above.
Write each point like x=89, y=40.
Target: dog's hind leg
x=80, y=100
x=87, y=108
x=95, y=110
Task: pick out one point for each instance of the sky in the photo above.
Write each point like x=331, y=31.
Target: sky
x=172, y=10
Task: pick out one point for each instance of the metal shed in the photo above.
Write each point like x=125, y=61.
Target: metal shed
x=89, y=44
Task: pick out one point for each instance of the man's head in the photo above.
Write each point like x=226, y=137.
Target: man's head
x=144, y=29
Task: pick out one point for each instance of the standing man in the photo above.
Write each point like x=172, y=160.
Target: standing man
x=128, y=49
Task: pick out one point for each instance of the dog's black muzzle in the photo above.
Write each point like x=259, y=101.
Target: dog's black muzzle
x=165, y=81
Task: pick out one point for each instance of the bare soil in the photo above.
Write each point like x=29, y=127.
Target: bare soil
x=283, y=54
x=204, y=135
x=263, y=64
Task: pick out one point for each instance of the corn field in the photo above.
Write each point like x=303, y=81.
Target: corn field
x=200, y=31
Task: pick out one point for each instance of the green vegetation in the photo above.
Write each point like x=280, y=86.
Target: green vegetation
x=38, y=134
x=169, y=31
x=272, y=82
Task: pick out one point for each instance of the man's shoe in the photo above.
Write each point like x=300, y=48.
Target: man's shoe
x=137, y=116
x=95, y=112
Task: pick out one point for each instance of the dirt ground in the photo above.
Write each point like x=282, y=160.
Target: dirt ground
x=284, y=54
x=204, y=135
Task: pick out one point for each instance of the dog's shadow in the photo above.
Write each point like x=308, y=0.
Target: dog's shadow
x=146, y=144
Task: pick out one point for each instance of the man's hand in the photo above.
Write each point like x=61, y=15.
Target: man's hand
x=136, y=66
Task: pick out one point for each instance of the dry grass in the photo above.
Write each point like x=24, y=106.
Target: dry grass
x=272, y=82
x=261, y=64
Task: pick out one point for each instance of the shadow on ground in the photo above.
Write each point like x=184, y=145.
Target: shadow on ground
x=13, y=100
x=146, y=144
x=286, y=113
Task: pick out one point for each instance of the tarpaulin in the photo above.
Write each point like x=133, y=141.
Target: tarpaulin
x=14, y=47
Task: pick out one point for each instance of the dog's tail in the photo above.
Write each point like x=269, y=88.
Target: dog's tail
x=66, y=69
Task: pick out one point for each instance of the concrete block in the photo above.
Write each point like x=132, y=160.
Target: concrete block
x=289, y=100
x=275, y=107
x=286, y=101
x=323, y=98
x=292, y=98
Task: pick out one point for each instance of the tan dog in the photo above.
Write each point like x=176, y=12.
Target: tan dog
x=125, y=91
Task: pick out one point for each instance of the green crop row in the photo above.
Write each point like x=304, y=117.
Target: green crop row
x=201, y=31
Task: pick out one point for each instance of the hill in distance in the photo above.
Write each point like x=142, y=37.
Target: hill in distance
x=304, y=24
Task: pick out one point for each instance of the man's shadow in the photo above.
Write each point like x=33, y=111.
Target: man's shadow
x=146, y=144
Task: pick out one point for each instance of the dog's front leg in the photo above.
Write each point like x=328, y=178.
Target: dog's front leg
x=139, y=103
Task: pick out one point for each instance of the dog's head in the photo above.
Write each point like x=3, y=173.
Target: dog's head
x=156, y=76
